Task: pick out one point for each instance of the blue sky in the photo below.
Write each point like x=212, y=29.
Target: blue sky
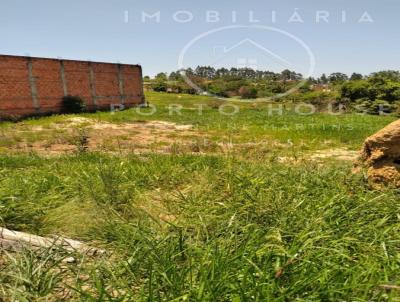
x=114, y=31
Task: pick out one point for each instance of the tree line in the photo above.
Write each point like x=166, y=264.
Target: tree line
x=372, y=92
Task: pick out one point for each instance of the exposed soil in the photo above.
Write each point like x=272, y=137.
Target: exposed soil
x=339, y=154
x=87, y=134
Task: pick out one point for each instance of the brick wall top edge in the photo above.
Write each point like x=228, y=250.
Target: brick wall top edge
x=67, y=60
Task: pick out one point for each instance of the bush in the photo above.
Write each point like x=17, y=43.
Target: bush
x=374, y=107
x=218, y=89
x=73, y=104
x=248, y=92
x=160, y=86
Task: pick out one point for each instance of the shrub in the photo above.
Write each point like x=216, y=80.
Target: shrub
x=264, y=93
x=374, y=107
x=218, y=89
x=73, y=104
x=160, y=86
x=248, y=92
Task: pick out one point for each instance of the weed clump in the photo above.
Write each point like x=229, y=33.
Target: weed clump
x=82, y=141
x=73, y=104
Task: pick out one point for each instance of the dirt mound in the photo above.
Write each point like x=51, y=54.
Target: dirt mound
x=381, y=156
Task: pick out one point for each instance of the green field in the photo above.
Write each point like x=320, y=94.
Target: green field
x=234, y=208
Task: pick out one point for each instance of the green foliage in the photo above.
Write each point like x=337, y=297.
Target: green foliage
x=357, y=89
x=392, y=75
x=337, y=77
x=379, y=91
x=248, y=92
x=73, y=104
x=380, y=107
x=380, y=88
x=356, y=76
x=215, y=226
x=315, y=97
x=218, y=88
x=81, y=141
x=160, y=86
x=31, y=275
x=208, y=228
x=323, y=79
x=162, y=76
x=160, y=82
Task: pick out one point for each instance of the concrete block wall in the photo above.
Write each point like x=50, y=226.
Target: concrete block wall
x=30, y=86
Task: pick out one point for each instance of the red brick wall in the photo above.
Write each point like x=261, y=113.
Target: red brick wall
x=106, y=84
x=78, y=81
x=15, y=92
x=99, y=84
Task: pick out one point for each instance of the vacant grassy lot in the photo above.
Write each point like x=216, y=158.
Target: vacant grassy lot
x=211, y=207
x=211, y=125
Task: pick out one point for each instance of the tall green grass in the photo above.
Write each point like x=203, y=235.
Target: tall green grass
x=202, y=228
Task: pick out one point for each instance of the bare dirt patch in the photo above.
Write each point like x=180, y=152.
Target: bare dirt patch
x=78, y=132
x=339, y=154
x=320, y=156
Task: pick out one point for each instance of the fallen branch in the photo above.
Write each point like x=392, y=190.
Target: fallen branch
x=13, y=240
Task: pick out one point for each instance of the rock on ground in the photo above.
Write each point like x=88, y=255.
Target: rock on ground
x=381, y=156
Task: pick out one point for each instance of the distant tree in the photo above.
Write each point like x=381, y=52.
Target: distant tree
x=233, y=72
x=162, y=76
x=286, y=74
x=377, y=86
x=312, y=80
x=290, y=75
x=354, y=90
x=160, y=83
x=221, y=72
x=356, y=77
x=323, y=79
x=337, y=77
x=247, y=73
x=269, y=75
x=146, y=78
x=189, y=72
x=174, y=76
x=206, y=72
x=386, y=75
x=389, y=91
